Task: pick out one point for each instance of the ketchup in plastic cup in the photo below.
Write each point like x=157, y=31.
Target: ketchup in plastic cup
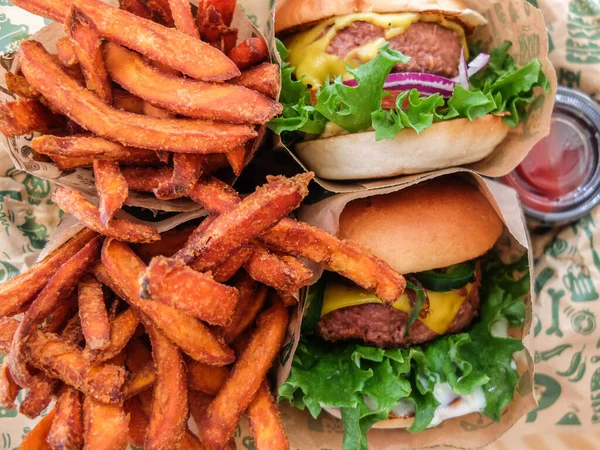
x=559, y=180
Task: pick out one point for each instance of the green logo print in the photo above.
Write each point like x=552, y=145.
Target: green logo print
x=556, y=247
x=586, y=223
x=549, y=390
x=36, y=233
x=15, y=195
x=37, y=189
x=248, y=442
x=577, y=367
x=584, y=322
x=7, y=271
x=11, y=34
x=569, y=418
x=569, y=78
x=595, y=390
x=553, y=352
x=555, y=327
x=583, y=44
x=540, y=281
x=579, y=282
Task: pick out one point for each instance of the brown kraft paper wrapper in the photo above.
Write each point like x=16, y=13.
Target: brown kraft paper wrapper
x=522, y=24
x=470, y=431
x=82, y=179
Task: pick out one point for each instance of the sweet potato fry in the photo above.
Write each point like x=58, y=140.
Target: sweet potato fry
x=207, y=379
x=8, y=326
x=214, y=195
x=249, y=53
x=127, y=102
x=38, y=398
x=187, y=168
x=18, y=85
x=69, y=163
x=87, y=146
x=72, y=333
x=173, y=283
x=225, y=8
x=140, y=381
x=137, y=7
x=263, y=78
x=66, y=52
x=182, y=17
x=106, y=426
x=92, y=313
x=36, y=438
x=161, y=12
x=112, y=189
x=154, y=111
x=286, y=274
x=250, y=303
x=81, y=105
x=121, y=331
x=137, y=355
x=344, y=257
x=170, y=242
x=222, y=416
x=123, y=269
x=174, y=48
x=237, y=159
x=74, y=203
x=265, y=423
x=66, y=362
x=138, y=422
x=85, y=40
x=26, y=116
x=197, y=99
x=169, y=407
x=226, y=270
x=248, y=219
x=58, y=288
x=67, y=427
x=9, y=389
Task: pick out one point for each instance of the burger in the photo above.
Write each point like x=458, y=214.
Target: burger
x=397, y=84
x=443, y=349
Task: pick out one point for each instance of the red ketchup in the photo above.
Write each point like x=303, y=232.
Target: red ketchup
x=559, y=180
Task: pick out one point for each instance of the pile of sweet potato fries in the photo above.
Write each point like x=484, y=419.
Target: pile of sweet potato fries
x=132, y=340
x=144, y=85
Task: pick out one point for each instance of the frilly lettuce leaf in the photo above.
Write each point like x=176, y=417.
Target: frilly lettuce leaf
x=343, y=375
x=501, y=88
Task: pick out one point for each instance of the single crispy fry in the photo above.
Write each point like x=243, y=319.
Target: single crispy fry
x=112, y=189
x=58, y=287
x=250, y=303
x=81, y=105
x=222, y=416
x=170, y=242
x=39, y=397
x=66, y=52
x=68, y=163
x=226, y=270
x=248, y=219
x=92, y=313
x=140, y=381
x=265, y=422
x=74, y=203
x=187, y=168
x=36, y=438
x=18, y=85
x=9, y=389
x=153, y=111
x=72, y=333
x=138, y=422
x=286, y=274
x=237, y=159
x=8, y=326
x=66, y=362
x=263, y=78
x=197, y=99
x=161, y=12
x=137, y=7
x=207, y=379
x=85, y=40
x=169, y=406
x=182, y=16
x=214, y=195
x=127, y=102
x=106, y=426
x=344, y=257
x=26, y=116
x=249, y=53
x=67, y=427
x=198, y=402
x=225, y=8
x=146, y=179
x=121, y=331
x=123, y=270
x=86, y=146
x=171, y=47
x=173, y=283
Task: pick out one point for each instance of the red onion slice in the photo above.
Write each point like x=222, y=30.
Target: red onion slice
x=478, y=63
x=463, y=69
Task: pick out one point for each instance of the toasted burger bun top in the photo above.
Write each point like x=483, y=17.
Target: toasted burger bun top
x=427, y=226
x=295, y=13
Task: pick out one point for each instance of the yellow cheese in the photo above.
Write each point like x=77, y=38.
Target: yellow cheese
x=314, y=65
x=443, y=306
